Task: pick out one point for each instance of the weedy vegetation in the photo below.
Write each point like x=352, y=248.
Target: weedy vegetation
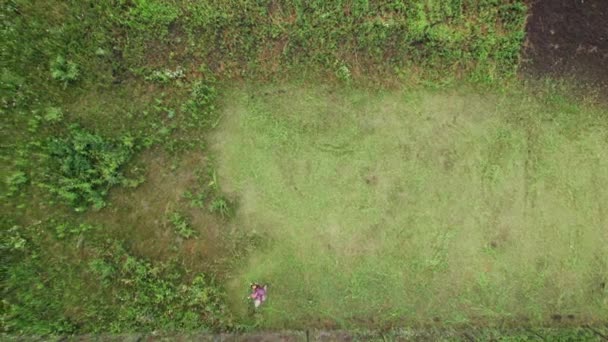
x=181, y=225
x=84, y=166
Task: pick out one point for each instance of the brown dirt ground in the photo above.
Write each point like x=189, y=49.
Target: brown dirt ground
x=568, y=38
x=141, y=214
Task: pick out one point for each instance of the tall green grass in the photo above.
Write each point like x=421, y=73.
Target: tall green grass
x=412, y=206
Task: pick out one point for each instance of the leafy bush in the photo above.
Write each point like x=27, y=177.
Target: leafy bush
x=64, y=70
x=84, y=166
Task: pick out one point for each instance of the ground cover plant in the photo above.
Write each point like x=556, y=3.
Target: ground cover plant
x=379, y=163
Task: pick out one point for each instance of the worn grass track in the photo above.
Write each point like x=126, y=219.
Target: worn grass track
x=384, y=207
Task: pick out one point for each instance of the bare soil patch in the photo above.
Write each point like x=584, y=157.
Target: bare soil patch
x=568, y=38
x=141, y=214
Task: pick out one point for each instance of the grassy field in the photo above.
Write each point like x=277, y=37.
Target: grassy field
x=396, y=207
x=379, y=163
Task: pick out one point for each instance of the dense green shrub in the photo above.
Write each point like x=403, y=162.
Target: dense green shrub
x=83, y=166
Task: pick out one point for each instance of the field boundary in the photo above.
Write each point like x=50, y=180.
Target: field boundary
x=587, y=333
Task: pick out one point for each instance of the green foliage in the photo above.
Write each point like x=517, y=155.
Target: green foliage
x=13, y=88
x=83, y=166
x=64, y=71
x=53, y=115
x=201, y=104
x=33, y=123
x=113, y=291
x=213, y=183
x=152, y=17
x=152, y=296
x=439, y=36
x=65, y=230
x=209, y=191
x=104, y=270
x=164, y=76
x=222, y=206
x=196, y=199
x=343, y=73
x=12, y=240
x=15, y=182
x=33, y=298
x=181, y=225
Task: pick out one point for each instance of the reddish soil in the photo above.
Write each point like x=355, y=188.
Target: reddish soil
x=568, y=38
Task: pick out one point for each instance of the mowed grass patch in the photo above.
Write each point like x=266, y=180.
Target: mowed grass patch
x=412, y=206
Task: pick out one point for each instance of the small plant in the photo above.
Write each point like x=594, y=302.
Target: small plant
x=33, y=123
x=66, y=229
x=196, y=199
x=201, y=104
x=15, y=182
x=100, y=52
x=64, y=71
x=166, y=75
x=12, y=240
x=181, y=225
x=103, y=269
x=213, y=182
x=220, y=205
x=343, y=73
x=53, y=115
